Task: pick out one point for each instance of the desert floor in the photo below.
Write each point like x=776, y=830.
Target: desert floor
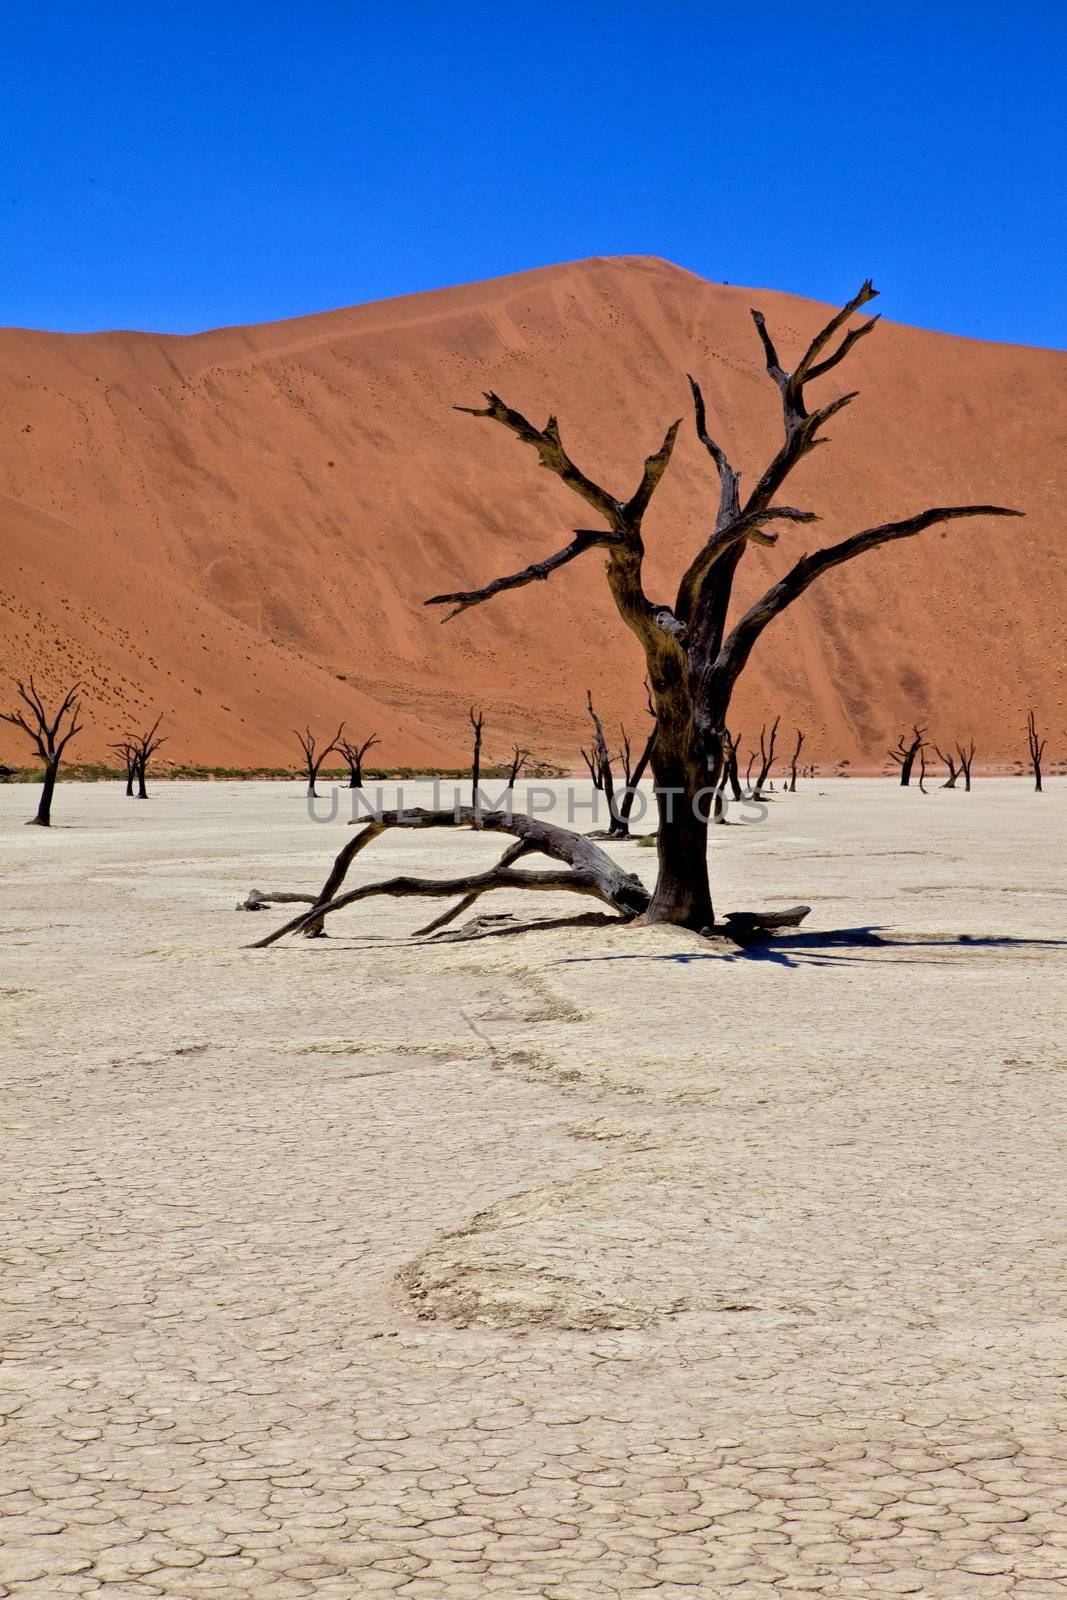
x=587, y=1261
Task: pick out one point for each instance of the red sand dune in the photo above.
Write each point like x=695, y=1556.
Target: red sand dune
x=239, y=528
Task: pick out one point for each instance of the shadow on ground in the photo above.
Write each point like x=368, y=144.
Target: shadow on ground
x=821, y=948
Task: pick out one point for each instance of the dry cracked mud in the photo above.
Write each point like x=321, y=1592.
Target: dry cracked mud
x=582, y=1263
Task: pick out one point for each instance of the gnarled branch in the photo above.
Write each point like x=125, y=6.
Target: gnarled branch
x=537, y=572
x=591, y=870
x=738, y=646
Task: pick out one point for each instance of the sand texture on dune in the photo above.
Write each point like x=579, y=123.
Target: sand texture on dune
x=585, y=1262
x=239, y=527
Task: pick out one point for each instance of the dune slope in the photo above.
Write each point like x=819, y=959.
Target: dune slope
x=239, y=528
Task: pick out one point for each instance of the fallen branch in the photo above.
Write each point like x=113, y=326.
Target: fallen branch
x=585, y=869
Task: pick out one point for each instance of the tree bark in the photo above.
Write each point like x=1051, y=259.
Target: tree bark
x=43, y=819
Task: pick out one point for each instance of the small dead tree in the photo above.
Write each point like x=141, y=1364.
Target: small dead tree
x=748, y=772
x=922, y=769
x=519, y=759
x=793, y=759
x=1037, y=749
x=594, y=769
x=766, y=750
x=617, y=828
x=906, y=753
x=954, y=772
x=354, y=754
x=965, y=757
x=633, y=771
x=695, y=652
x=314, y=757
x=144, y=746
x=476, y=721
x=128, y=752
x=49, y=734
x=729, y=774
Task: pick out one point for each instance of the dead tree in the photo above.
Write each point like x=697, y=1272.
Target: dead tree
x=729, y=774
x=354, y=754
x=519, y=758
x=694, y=651
x=49, y=734
x=633, y=772
x=922, y=769
x=748, y=771
x=144, y=746
x=128, y=752
x=965, y=756
x=314, y=757
x=476, y=721
x=594, y=769
x=766, y=750
x=617, y=828
x=793, y=759
x=954, y=772
x=908, y=749
x=1037, y=750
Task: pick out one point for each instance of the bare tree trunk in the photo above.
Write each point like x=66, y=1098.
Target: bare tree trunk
x=766, y=756
x=953, y=771
x=906, y=752
x=617, y=828
x=683, y=892
x=476, y=722
x=1037, y=750
x=793, y=763
x=733, y=777
x=633, y=778
x=43, y=819
x=965, y=758
x=354, y=754
x=519, y=758
x=314, y=757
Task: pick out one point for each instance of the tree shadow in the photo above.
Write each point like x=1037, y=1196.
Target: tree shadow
x=828, y=947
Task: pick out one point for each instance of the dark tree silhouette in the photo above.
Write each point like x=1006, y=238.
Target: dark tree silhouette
x=144, y=747
x=519, y=758
x=729, y=773
x=965, y=756
x=633, y=771
x=595, y=773
x=476, y=721
x=128, y=752
x=954, y=772
x=617, y=828
x=1037, y=750
x=906, y=752
x=693, y=655
x=793, y=759
x=766, y=750
x=354, y=754
x=313, y=756
x=922, y=769
x=49, y=734
x=601, y=770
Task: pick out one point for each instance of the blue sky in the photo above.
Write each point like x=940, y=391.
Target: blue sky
x=179, y=167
